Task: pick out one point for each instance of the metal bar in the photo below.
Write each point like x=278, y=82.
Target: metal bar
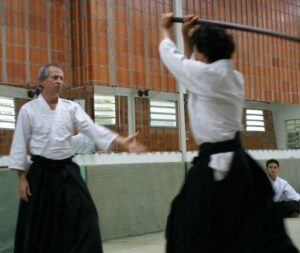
x=180, y=88
x=242, y=28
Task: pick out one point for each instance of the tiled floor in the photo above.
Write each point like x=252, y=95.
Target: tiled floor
x=155, y=243
x=293, y=228
x=150, y=243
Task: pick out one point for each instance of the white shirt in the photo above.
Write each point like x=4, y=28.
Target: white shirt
x=282, y=187
x=48, y=133
x=216, y=99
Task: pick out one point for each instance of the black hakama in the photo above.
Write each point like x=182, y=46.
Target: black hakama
x=289, y=208
x=234, y=215
x=60, y=216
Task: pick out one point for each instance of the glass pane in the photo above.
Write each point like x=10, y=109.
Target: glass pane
x=7, y=118
x=105, y=109
x=162, y=110
x=160, y=116
x=255, y=117
x=156, y=103
x=256, y=112
x=257, y=129
x=105, y=113
x=7, y=113
x=162, y=113
x=292, y=127
x=290, y=122
x=7, y=125
x=105, y=106
x=104, y=99
x=7, y=102
x=255, y=123
x=103, y=121
x=155, y=123
x=7, y=110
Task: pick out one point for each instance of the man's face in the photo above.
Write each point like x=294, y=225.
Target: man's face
x=272, y=170
x=53, y=83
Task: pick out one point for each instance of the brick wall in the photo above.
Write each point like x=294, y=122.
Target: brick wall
x=155, y=138
x=270, y=65
x=34, y=34
x=114, y=43
x=107, y=43
x=261, y=140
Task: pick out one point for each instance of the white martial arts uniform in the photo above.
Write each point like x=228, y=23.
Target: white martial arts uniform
x=282, y=187
x=48, y=133
x=216, y=98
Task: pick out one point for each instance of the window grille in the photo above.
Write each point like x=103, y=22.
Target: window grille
x=162, y=113
x=105, y=109
x=7, y=113
x=255, y=120
x=292, y=128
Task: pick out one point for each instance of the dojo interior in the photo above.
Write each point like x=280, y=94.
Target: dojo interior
x=109, y=53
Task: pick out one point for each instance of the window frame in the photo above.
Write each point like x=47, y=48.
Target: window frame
x=108, y=117
x=166, y=113
x=7, y=102
x=255, y=120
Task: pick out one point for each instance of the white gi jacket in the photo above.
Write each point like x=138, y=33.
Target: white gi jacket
x=48, y=133
x=215, y=103
x=282, y=187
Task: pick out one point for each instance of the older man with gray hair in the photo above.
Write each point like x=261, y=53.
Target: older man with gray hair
x=56, y=212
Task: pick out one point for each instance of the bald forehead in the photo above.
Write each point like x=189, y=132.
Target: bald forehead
x=55, y=71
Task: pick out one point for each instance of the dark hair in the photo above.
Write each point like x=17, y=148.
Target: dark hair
x=272, y=161
x=43, y=71
x=213, y=42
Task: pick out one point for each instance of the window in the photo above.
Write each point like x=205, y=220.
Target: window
x=292, y=128
x=255, y=120
x=7, y=113
x=105, y=109
x=162, y=113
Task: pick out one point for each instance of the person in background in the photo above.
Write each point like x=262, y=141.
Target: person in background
x=226, y=202
x=291, y=207
x=56, y=212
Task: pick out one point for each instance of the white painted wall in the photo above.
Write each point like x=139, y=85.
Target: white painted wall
x=281, y=113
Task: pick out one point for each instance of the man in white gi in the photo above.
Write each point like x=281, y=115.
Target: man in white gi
x=56, y=213
x=291, y=207
x=226, y=202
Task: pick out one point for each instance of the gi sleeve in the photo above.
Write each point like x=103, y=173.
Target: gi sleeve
x=290, y=193
x=102, y=136
x=18, y=151
x=196, y=76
